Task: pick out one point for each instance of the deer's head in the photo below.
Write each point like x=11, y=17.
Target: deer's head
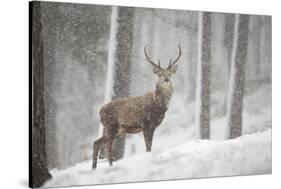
x=164, y=82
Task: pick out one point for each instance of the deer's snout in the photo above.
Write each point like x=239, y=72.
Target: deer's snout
x=166, y=79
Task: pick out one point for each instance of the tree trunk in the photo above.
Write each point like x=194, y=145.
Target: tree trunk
x=124, y=45
x=237, y=76
x=122, y=67
x=39, y=171
x=192, y=63
x=204, y=74
x=228, y=44
x=257, y=46
x=50, y=21
x=228, y=37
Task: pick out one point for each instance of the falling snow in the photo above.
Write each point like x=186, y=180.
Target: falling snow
x=80, y=60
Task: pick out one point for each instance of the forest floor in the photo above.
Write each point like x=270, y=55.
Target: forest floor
x=249, y=154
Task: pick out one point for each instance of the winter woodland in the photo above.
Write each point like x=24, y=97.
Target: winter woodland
x=219, y=119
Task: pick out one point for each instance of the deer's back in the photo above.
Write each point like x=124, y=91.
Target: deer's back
x=132, y=112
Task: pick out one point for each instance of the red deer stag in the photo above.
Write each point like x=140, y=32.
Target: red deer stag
x=137, y=114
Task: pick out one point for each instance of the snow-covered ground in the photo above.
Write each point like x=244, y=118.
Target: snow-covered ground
x=178, y=154
x=249, y=154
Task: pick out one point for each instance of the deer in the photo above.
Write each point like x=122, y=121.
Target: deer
x=131, y=115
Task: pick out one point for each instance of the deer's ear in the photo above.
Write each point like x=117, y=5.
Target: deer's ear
x=174, y=69
x=156, y=70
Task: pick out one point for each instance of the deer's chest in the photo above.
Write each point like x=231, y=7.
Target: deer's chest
x=154, y=116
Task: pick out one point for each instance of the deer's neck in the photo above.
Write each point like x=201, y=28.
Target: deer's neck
x=163, y=96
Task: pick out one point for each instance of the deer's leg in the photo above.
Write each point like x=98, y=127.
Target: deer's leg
x=148, y=136
x=96, y=148
x=111, y=136
x=109, y=153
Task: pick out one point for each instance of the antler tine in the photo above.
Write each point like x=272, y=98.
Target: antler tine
x=175, y=61
x=148, y=59
x=170, y=61
x=159, y=63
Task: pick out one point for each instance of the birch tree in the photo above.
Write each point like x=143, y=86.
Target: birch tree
x=237, y=76
x=204, y=73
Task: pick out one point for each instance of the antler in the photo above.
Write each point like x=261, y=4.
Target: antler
x=175, y=61
x=150, y=61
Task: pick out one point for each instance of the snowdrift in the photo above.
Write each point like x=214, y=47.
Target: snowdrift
x=249, y=154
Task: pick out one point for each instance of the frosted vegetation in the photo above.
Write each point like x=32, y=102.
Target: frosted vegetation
x=79, y=78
